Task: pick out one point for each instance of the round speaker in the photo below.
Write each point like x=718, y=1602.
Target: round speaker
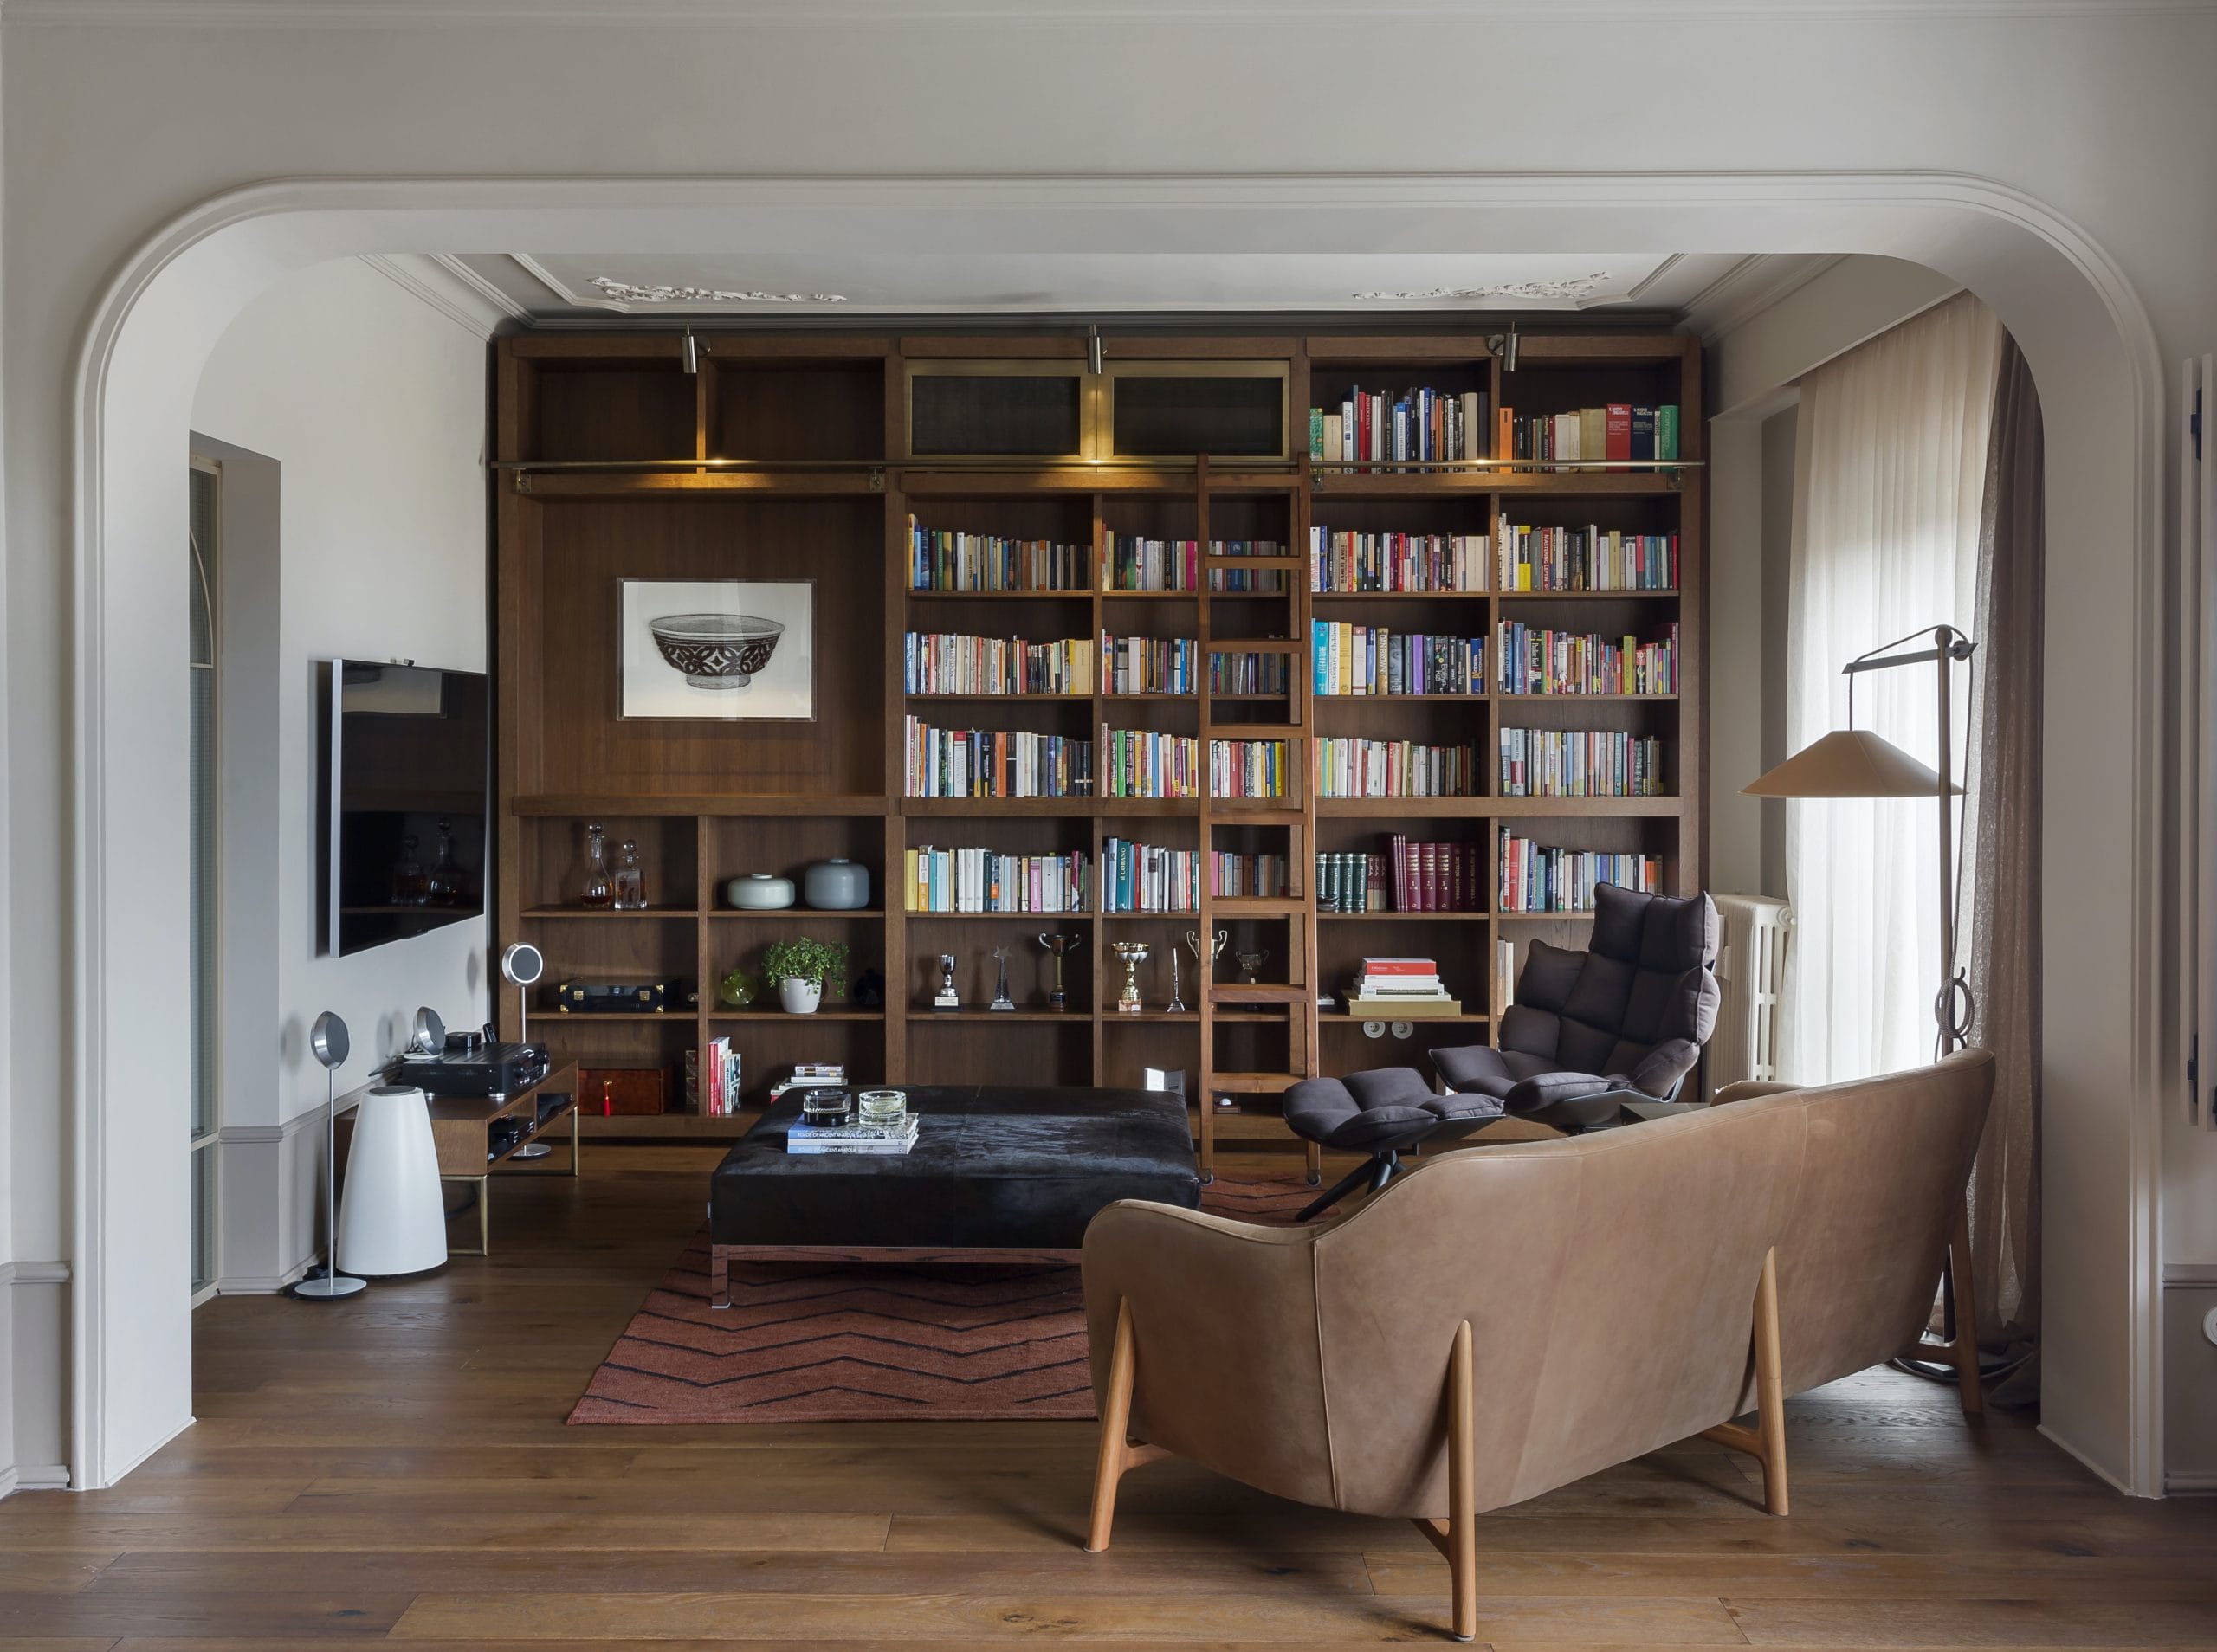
x=523, y=964
x=430, y=1032
x=328, y=1040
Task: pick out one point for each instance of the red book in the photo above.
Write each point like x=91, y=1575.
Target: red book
x=1382, y=966
x=1618, y=431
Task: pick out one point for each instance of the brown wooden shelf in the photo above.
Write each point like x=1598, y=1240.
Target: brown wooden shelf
x=646, y=1127
x=1323, y=700
x=1411, y=808
x=1066, y=1018
x=990, y=806
x=1544, y=917
x=604, y=913
x=810, y=913
x=789, y=1017
x=1521, y=808
x=915, y=917
x=1401, y=595
x=1478, y=915
x=546, y=1017
x=1351, y=1018
x=622, y=805
x=999, y=596
x=1671, y=594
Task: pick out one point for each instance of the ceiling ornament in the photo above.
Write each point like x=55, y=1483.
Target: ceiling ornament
x=1571, y=287
x=632, y=293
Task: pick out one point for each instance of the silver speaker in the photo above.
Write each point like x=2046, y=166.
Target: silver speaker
x=329, y=1044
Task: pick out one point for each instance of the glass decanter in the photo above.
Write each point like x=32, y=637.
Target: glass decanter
x=443, y=885
x=410, y=885
x=597, y=889
x=630, y=879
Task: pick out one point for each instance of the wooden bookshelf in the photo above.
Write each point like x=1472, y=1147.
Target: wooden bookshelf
x=788, y=455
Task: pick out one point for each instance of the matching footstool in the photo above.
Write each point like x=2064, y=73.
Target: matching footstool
x=1379, y=1113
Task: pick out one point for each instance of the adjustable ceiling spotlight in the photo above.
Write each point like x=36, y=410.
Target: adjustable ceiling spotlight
x=1504, y=345
x=1095, y=354
x=689, y=352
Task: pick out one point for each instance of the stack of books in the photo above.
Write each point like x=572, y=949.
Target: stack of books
x=811, y=1075
x=1400, y=988
x=888, y=1138
x=719, y=1097
x=1618, y=431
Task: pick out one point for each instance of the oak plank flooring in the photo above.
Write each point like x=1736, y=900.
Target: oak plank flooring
x=396, y=1469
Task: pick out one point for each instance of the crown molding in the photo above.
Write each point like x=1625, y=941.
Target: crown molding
x=450, y=287
x=1749, y=288
x=756, y=14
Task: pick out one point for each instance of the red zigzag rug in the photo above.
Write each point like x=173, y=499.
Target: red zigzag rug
x=819, y=1341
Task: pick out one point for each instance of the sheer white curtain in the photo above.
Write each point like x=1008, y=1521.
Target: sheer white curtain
x=1890, y=476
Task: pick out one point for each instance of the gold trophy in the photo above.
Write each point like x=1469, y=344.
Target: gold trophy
x=1134, y=953
x=1059, y=946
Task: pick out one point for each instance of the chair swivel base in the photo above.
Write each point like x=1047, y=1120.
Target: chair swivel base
x=1378, y=1170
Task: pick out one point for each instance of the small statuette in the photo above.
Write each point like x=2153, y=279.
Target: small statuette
x=1058, y=944
x=1001, y=1000
x=1251, y=965
x=1134, y=953
x=1177, y=1004
x=947, y=998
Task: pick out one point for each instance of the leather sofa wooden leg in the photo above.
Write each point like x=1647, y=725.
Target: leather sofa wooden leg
x=1964, y=1348
x=1457, y=1537
x=1119, y=1451
x=1765, y=1442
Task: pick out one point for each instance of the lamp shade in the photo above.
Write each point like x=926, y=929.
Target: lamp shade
x=1850, y=763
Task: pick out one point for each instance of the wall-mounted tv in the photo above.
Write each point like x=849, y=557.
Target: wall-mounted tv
x=405, y=772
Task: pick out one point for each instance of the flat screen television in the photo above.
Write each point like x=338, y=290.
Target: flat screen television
x=407, y=773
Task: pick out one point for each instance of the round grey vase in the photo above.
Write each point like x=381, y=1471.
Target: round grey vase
x=760, y=891
x=836, y=886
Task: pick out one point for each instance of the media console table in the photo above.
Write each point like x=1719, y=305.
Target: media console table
x=994, y=1170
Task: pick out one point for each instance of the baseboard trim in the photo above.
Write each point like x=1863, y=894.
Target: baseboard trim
x=266, y=1284
x=34, y=1273
x=240, y=1135
x=2197, y=1482
x=46, y=1476
x=2190, y=1274
x=2087, y=1463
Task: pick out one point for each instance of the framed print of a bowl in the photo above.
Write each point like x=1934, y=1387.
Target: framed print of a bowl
x=725, y=650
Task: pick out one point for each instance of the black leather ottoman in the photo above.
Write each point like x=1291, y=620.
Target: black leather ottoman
x=992, y=1169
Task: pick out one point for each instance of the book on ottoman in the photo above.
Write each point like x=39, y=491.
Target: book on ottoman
x=802, y=1138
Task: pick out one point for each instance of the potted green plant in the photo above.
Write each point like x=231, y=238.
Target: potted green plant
x=805, y=971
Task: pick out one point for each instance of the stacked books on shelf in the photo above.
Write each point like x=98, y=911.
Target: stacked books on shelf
x=716, y=1091
x=1536, y=660
x=940, y=559
x=1148, y=665
x=1138, y=563
x=1620, y=431
x=1579, y=762
x=801, y=1137
x=1436, y=876
x=1350, y=881
x=1249, y=579
x=1536, y=877
x=1400, y=988
x=1147, y=877
x=942, y=663
x=1419, y=423
x=1584, y=558
x=1136, y=762
x=989, y=763
x=1346, y=659
x=1347, y=561
x=1240, y=671
x=983, y=880
x=1245, y=877
x=1248, y=769
x=1393, y=769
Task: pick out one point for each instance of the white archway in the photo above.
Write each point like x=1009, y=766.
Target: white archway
x=2080, y=324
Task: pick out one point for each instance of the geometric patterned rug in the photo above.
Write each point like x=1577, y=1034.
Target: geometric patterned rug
x=825, y=1342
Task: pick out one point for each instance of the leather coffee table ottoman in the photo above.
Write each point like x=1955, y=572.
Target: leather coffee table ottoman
x=994, y=1170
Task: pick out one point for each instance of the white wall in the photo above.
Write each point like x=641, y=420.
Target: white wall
x=372, y=403
x=2100, y=264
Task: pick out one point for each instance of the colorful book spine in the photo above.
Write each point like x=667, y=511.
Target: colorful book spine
x=944, y=559
x=994, y=763
x=1579, y=762
x=1355, y=768
x=1149, y=665
x=943, y=663
x=1617, y=435
x=1250, y=579
x=1583, y=558
x=1134, y=562
x=1246, y=877
x=1537, y=661
x=1347, y=659
x=1234, y=671
x=1249, y=769
x=1539, y=877
x=1343, y=560
x=1425, y=424
x=1148, y=877
x=984, y=880
x=1138, y=763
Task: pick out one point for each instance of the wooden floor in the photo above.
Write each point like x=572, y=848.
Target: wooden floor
x=397, y=1467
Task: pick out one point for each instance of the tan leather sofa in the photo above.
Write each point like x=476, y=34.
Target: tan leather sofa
x=1508, y=1318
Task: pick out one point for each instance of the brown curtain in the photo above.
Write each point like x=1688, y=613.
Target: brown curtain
x=2005, y=963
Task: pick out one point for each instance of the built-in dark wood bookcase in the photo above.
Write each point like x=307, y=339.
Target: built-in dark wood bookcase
x=789, y=456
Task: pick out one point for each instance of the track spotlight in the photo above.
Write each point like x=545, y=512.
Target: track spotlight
x=1094, y=355
x=1504, y=345
x=690, y=354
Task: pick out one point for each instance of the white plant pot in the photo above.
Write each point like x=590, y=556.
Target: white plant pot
x=799, y=997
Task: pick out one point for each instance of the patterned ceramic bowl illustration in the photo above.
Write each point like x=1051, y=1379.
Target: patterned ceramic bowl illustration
x=716, y=651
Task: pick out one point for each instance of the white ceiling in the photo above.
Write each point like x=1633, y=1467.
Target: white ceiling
x=557, y=287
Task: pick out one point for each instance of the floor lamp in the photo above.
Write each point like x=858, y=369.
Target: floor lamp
x=328, y=1042
x=1854, y=762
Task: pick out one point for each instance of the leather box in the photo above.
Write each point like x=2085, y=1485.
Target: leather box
x=623, y=1092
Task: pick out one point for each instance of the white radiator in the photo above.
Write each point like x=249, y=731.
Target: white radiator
x=1751, y=969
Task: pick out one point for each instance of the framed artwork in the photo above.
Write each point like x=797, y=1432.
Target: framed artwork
x=724, y=650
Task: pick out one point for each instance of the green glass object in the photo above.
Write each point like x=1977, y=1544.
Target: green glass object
x=736, y=990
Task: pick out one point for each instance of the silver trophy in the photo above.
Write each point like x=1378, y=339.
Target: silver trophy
x=1207, y=965
x=1001, y=1000
x=1058, y=944
x=947, y=998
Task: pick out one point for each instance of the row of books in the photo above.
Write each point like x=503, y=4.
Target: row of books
x=1436, y=876
x=1249, y=769
x=1579, y=762
x=994, y=763
x=1138, y=763
x=1400, y=988
x=1345, y=561
x=1135, y=563
x=1147, y=877
x=1419, y=423
x=1242, y=672
x=942, y=559
x=1251, y=579
x=1620, y=431
x=944, y=663
x=1584, y=558
x=1149, y=665
x=1537, y=661
x=1351, y=768
x=1246, y=877
x=1347, y=659
x=1350, y=881
x=984, y=880
x=1539, y=877
x=715, y=1092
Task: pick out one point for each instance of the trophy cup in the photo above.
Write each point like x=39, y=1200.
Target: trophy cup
x=1207, y=966
x=1251, y=965
x=1134, y=953
x=1001, y=1000
x=1058, y=944
x=947, y=998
